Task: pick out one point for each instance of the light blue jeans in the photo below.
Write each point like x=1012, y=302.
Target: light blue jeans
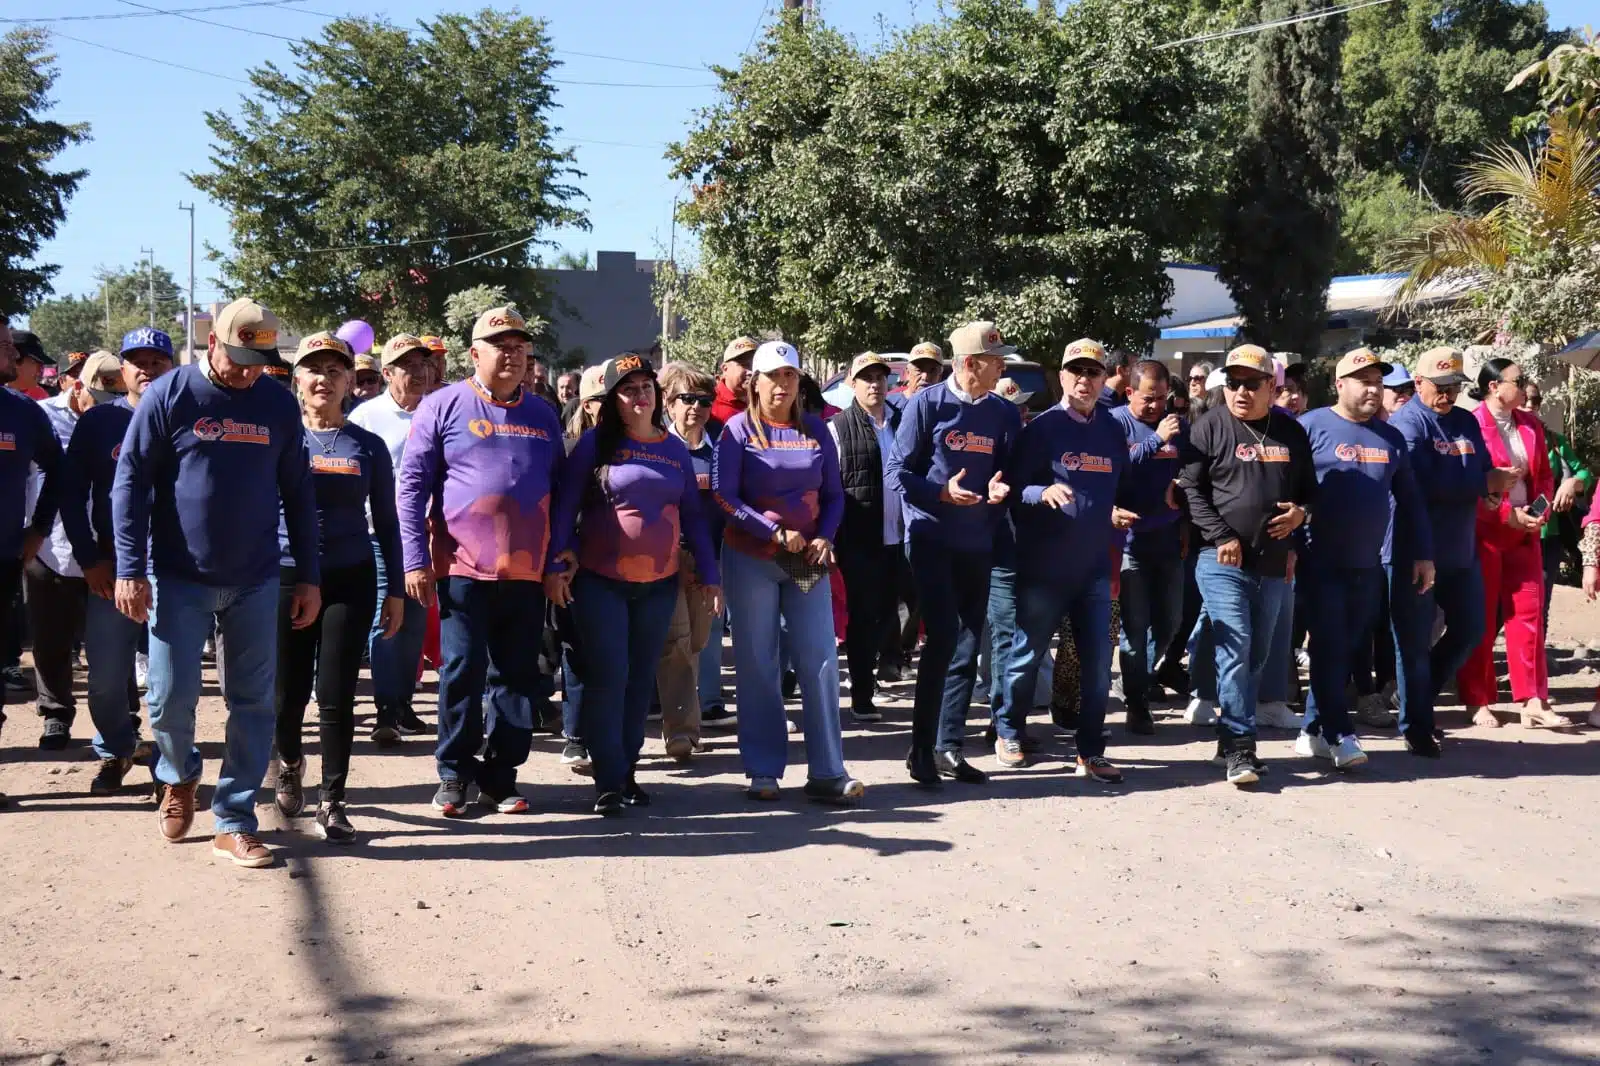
x=110, y=642
x=760, y=599
x=394, y=659
x=180, y=621
x=711, y=664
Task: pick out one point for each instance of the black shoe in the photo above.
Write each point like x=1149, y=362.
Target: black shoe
x=1242, y=768
x=865, y=711
x=385, y=734
x=922, y=767
x=791, y=684
x=633, y=795
x=1221, y=757
x=891, y=672
x=1424, y=744
x=1064, y=718
x=333, y=825
x=290, y=793
x=510, y=803
x=1140, y=722
x=843, y=791
x=15, y=680
x=451, y=799
x=1176, y=678
x=109, y=779
x=609, y=804
x=953, y=766
x=717, y=716
x=409, y=724
x=56, y=736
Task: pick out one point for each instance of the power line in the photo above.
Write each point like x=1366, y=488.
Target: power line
x=1289, y=21
x=210, y=22
x=149, y=59
x=760, y=19
x=147, y=14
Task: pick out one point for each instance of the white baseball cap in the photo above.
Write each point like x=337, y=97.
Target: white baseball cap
x=775, y=355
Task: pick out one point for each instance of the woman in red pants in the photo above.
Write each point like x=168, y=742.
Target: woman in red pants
x=1508, y=551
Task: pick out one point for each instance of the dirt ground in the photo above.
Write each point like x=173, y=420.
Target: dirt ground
x=1413, y=913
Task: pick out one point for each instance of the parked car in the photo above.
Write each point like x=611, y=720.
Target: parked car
x=1030, y=377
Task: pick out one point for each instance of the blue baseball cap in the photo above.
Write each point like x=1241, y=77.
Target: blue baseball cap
x=147, y=337
x=1397, y=377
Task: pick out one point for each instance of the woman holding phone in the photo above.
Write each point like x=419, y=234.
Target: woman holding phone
x=1508, y=551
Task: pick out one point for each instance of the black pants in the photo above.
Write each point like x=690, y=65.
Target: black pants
x=10, y=582
x=953, y=586
x=906, y=593
x=55, y=612
x=328, y=650
x=870, y=573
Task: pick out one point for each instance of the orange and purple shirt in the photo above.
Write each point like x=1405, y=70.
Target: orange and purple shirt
x=490, y=468
x=792, y=482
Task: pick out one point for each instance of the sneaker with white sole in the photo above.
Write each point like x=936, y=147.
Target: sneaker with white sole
x=763, y=788
x=1277, y=715
x=1347, y=754
x=1312, y=747
x=1200, y=712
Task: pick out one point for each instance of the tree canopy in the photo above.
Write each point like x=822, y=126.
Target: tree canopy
x=392, y=168
x=79, y=323
x=33, y=197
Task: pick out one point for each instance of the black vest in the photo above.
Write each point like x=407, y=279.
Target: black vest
x=861, y=471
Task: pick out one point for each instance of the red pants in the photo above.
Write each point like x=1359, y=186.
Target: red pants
x=430, y=640
x=1513, y=590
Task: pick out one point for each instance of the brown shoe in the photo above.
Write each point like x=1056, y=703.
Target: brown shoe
x=1099, y=768
x=245, y=849
x=176, y=808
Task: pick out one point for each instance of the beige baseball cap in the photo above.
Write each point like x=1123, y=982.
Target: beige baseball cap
x=926, y=352
x=367, y=362
x=98, y=365
x=979, y=338
x=403, y=344
x=738, y=348
x=1089, y=350
x=1442, y=366
x=1360, y=359
x=592, y=385
x=322, y=342
x=865, y=360
x=1250, y=357
x=1009, y=389
x=248, y=333
x=498, y=321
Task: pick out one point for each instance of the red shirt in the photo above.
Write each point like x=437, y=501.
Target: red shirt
x=727, y=403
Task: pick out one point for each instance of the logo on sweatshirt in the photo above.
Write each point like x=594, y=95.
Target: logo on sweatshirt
x=1459, y=446
x=116, y=452
x=1083, y=462
x=1261, y=453
x=210, y=429
x=333, y=464
x=959, y=441
x=483, y=429
x=8, y=442
x=1350, y=453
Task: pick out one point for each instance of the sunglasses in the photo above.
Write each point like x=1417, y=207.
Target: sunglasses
x=699, y=399
x=1247, y=384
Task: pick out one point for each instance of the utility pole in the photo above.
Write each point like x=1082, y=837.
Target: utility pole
x=150, y=276
x=796, y=5
x=188, y=307
x=105, y=291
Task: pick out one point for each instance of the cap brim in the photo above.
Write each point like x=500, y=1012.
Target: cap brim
x=524, y=334
x=42, y=360
x=736, y=356
x=1448, y=379
x=1004, y=349
x=391, y=360
x=251, y=356
x=1254, y=372
x=1387, y=368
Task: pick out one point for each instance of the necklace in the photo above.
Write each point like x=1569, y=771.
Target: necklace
x=1261, y=438
x=326, y=445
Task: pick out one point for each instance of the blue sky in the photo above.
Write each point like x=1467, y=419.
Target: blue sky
x=148, y=124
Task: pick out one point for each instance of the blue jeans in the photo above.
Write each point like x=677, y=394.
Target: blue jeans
x=1241, y=612
x=1152, y=605
x=486, y=634
x=395, y=659
x=1280, y=660
x=761, y=598
x=1002, y=615
x=1341, y=606
x=953, y=593
x=110, y=641
x=1423, y=671
x=622, y=628
x=1203, y=660
x=181, y=617
x=1041, y=605
x=711, y=663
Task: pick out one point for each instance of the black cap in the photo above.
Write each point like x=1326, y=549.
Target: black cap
x=623, y=365
x=29, y=347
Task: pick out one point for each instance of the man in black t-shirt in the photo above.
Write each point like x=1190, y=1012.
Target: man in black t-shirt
x=1247, y=479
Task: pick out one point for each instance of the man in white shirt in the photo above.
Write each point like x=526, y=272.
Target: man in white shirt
x=868, y=543
x=408, y=373
x=52, y=582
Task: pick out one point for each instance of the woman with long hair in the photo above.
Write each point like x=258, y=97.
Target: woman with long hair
x=776, y=479
x=626, y=498
x=352, y=472
x=1508, y=550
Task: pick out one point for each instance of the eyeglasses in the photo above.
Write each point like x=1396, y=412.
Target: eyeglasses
x=1247, y=384
x=699, y=399
x=1086, y=370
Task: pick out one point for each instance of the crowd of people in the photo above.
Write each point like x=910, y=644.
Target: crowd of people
x=601, y=536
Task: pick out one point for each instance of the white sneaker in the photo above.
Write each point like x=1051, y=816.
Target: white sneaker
x=1302, y=658
x=1312, y=747
x=141, y=669
x=1278, y=716
x=1200, y=712
x=791, y=725
x=1347, y=754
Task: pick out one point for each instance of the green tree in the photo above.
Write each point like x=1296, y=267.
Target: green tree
x=33, y=197
x=69, y=324
x=1280, y=222
x=1569, y=84
x=79, y=323
x=461, y=310
x=994, y=163
x=343, y=177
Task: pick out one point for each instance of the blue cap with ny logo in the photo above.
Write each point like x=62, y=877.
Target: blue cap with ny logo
x=147, y=337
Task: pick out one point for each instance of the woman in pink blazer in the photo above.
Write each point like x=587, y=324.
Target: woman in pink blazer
x=1508, y=551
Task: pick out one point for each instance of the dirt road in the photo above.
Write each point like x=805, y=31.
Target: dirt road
x=1414, y=913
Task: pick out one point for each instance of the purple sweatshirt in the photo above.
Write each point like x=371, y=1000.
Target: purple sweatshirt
x=630, y=529
x=793, y=482
x=492, y=466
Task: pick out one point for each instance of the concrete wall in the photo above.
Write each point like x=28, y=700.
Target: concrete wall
x=1196, y=295
x=602, y=312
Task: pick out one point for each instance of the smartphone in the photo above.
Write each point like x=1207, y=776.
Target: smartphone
x=1538, y=507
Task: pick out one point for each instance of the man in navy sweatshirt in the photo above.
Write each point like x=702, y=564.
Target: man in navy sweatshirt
x=1066, y=470
x=1152, y=566
x=947, y=462
x=1362, y=465
x=26, y=440
x=209, y=453
x=1452, y=470
x=110, y=638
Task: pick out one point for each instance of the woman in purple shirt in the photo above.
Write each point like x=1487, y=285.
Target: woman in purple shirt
x=629, y=489
x=776, y=478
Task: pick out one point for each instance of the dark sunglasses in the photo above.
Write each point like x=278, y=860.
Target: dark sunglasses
x=698, y=398
x=1247, y=384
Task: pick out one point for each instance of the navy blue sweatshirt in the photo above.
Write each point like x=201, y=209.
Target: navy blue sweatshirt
x=1086, y=453
x=1451, y=466
x=1360, y=466
x=1153, y=465
x=350, y=470
x=87, y=473
x=199, y=478
x=939, y=434
x=26, y=439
